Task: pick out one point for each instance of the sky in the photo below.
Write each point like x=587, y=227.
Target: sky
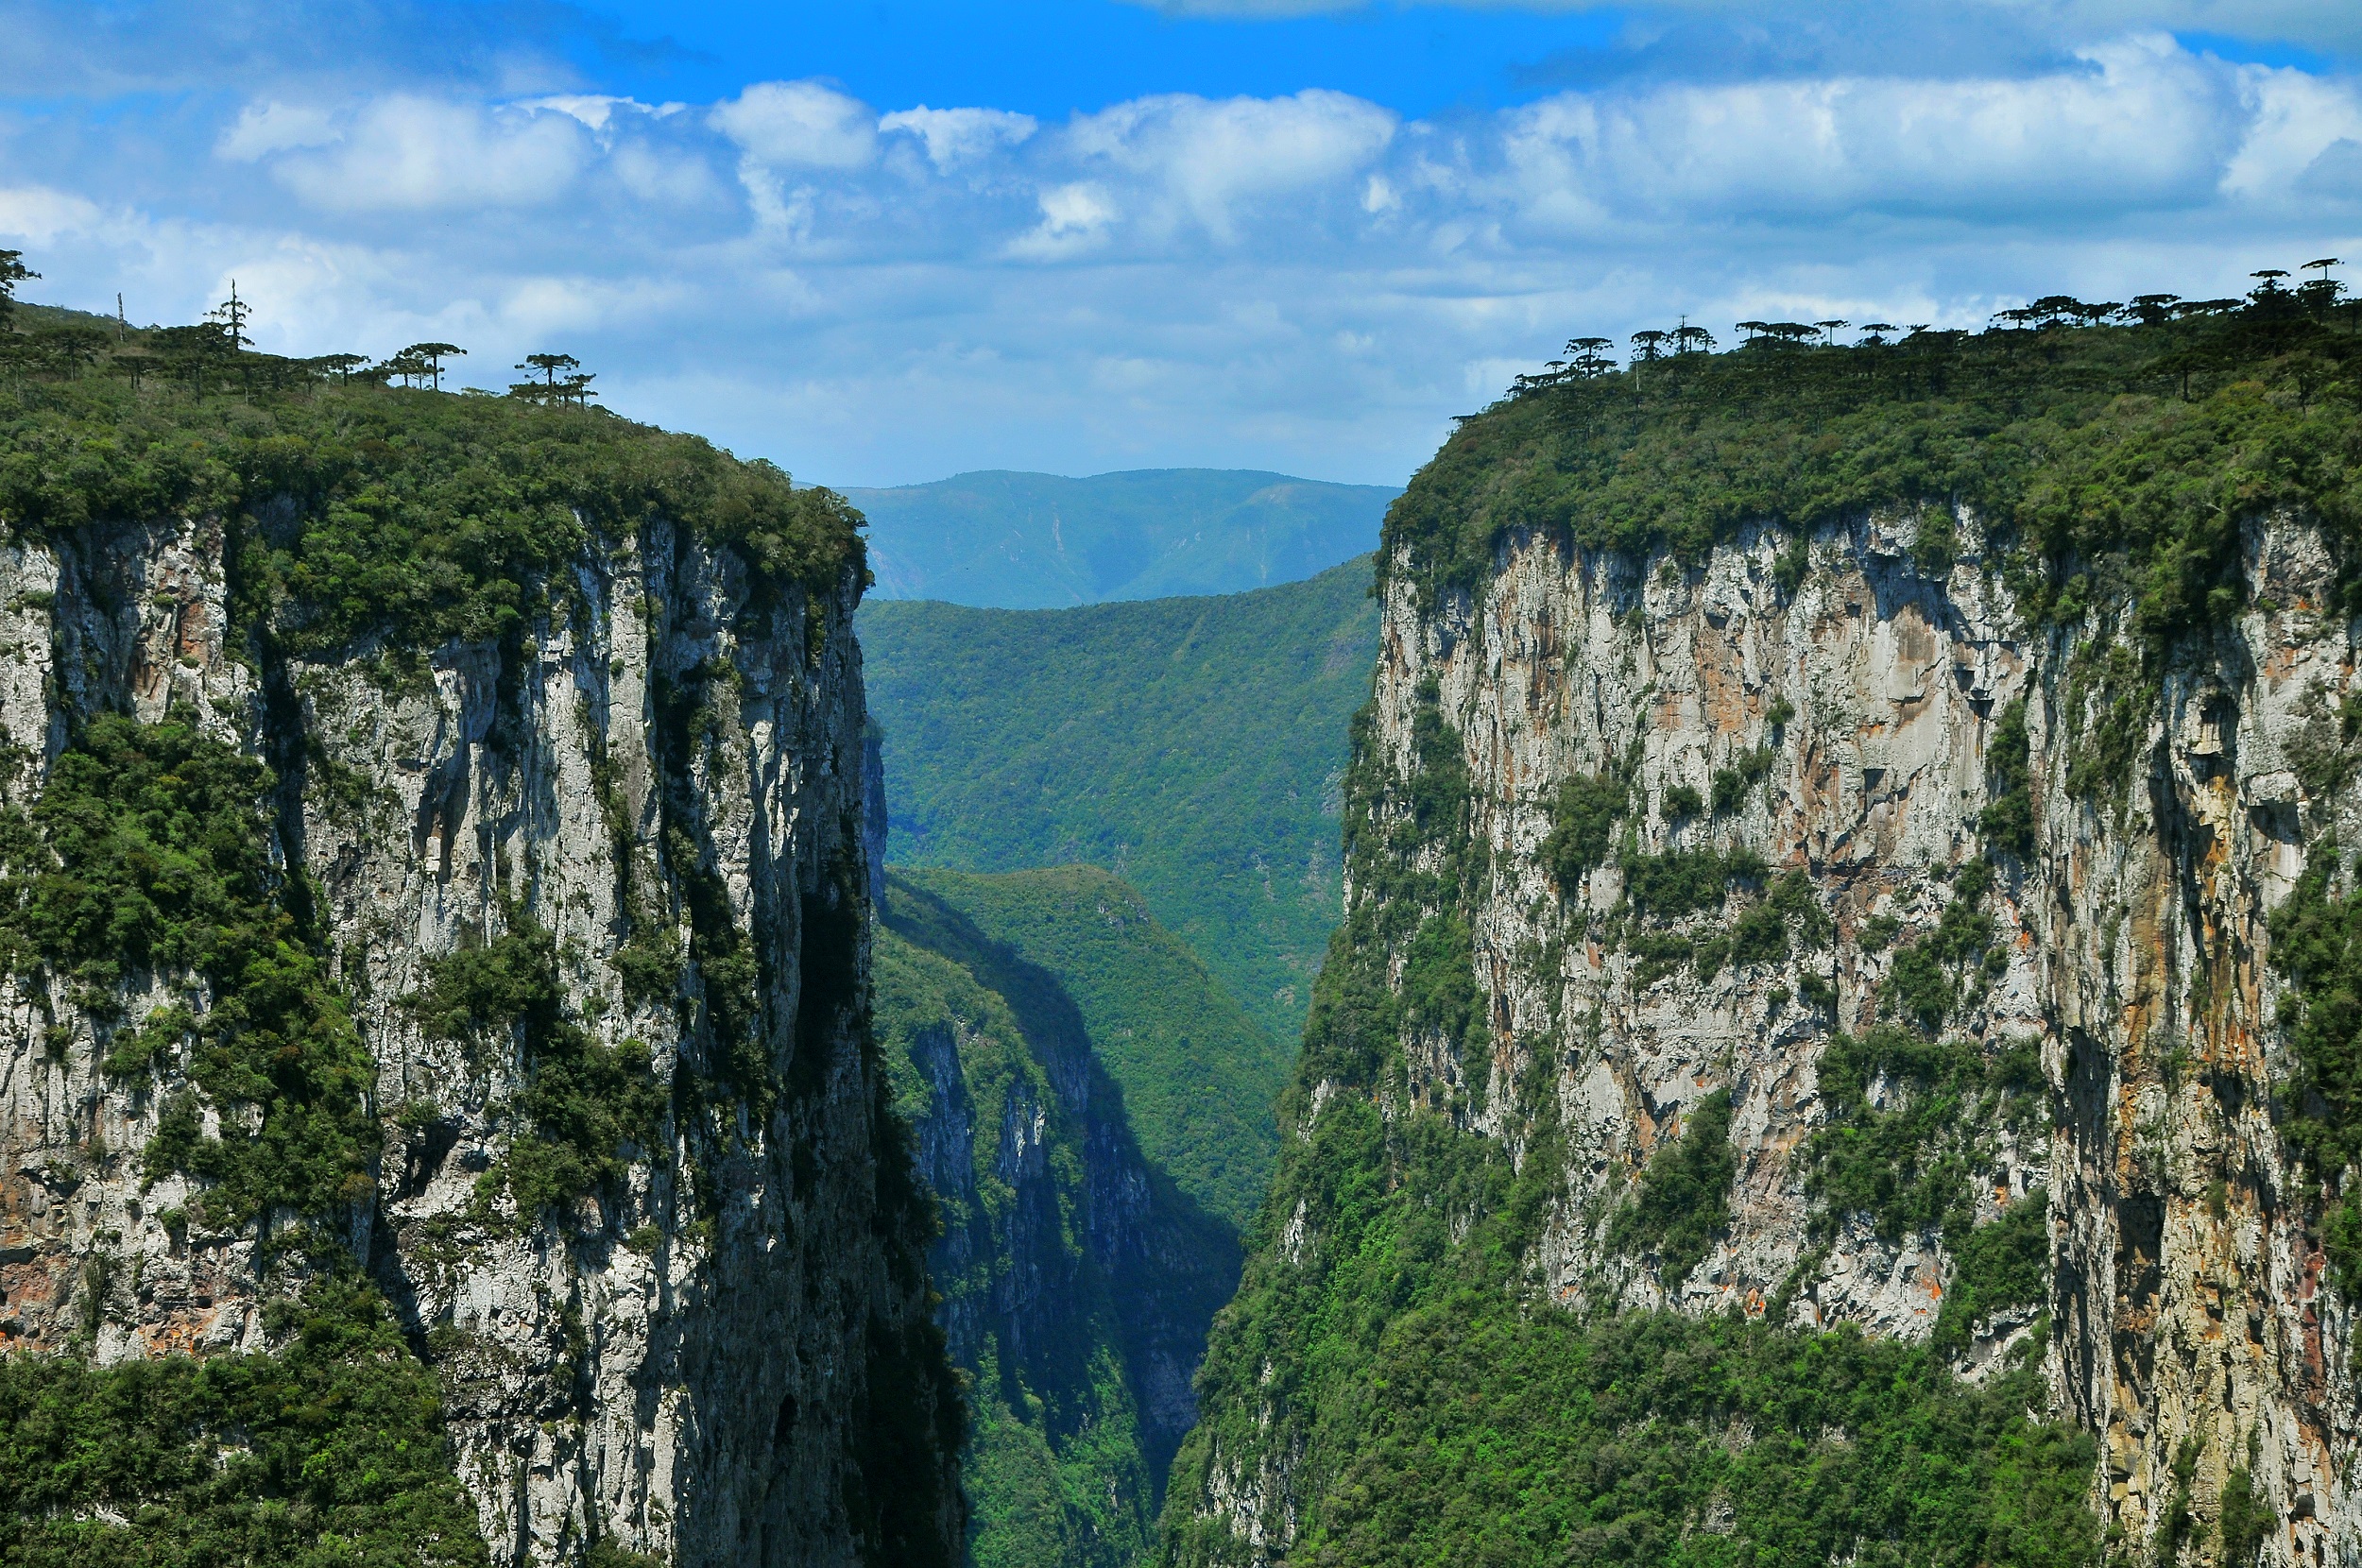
x=880, y=242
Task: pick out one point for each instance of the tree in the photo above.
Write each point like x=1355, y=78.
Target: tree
x=546, y=390
x=1692, y=340
x=70, y=350
x=431, y=356
x=134, y=367
x=12, y=272
x=2051, y=309
x=576, y=390
x=1877, y=332
x=1588, y=360
x=2152, y=310
x=411, y=366
x=232, y=314
x=340, y=365
x=2321, y=295
x=1829, y=329
x=1648, y=345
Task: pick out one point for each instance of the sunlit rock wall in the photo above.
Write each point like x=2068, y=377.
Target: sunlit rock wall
x=684, y=1367
x=2188, y=1298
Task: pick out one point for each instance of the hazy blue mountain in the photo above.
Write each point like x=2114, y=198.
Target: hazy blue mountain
x=1009, y=540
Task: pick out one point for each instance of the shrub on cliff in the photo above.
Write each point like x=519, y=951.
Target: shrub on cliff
x=358, y=509
x=1684, y=1195
x=330, y=1449
x=148, y=855
x=2127, y=454
x=2317, y=945
x=584, y=1109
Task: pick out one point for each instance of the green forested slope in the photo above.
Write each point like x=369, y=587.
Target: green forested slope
x=1078, y=1277
x=1192, y=746
x=1038, y=541
x=1402, y=1375
x=1200, y=1078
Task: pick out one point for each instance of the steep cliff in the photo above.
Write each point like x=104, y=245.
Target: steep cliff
x=1842, y=1040
x=1078, y=1276
x=435, y=899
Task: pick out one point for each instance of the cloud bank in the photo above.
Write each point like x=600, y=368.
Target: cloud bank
x=875, y=294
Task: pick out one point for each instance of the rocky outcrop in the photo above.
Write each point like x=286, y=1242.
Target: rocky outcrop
x=1855, y=713
x=663, y=770
x=1077, y=1280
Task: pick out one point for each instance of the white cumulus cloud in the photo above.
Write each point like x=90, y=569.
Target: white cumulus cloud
x=1211, y=156
x=1073, y=217
x=267, y=128
x=410, y=154
x=955, y=138
x=36, y=215
x=799, y=125
x=2138, y=124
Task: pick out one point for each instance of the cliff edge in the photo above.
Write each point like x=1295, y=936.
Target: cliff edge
x=436, y=900
x=1839, y=1047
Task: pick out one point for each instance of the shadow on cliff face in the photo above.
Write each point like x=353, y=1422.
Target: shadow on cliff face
x=1165, y=1265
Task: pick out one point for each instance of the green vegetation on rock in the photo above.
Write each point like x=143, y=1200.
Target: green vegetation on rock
x=1931, y=976
x=1191, y=747
x=2105, y=459
x=330, y=1451
x=1200, y=1079
x=584, y=1107
x=1078, y=1277
x=363, y=510
x=1499, y=1434
x=2007, y=821
x=1583, y=815
x=148, y=856
x=1684, y=1195
x=1907, y=1164
x=2317, y=943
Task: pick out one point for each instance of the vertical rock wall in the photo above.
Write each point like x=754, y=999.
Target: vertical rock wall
x=2188, y=1311
x=691, y=1363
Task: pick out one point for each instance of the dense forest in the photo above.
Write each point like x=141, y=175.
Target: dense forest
x=1192, y=746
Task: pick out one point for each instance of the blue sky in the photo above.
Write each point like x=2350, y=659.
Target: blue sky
x=881, y=241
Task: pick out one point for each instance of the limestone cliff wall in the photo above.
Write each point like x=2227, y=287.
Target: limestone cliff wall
x=684, y=1365
x=2188, y=1298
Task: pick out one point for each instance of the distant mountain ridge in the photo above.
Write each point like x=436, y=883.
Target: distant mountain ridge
x=999, y=540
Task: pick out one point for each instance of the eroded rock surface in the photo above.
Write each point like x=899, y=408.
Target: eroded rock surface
x=686, y=1365
x=2130, y=945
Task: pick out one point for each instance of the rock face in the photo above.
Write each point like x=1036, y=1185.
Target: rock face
x=1077, y=1280
x=1859, y=711
x=695, y=1364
